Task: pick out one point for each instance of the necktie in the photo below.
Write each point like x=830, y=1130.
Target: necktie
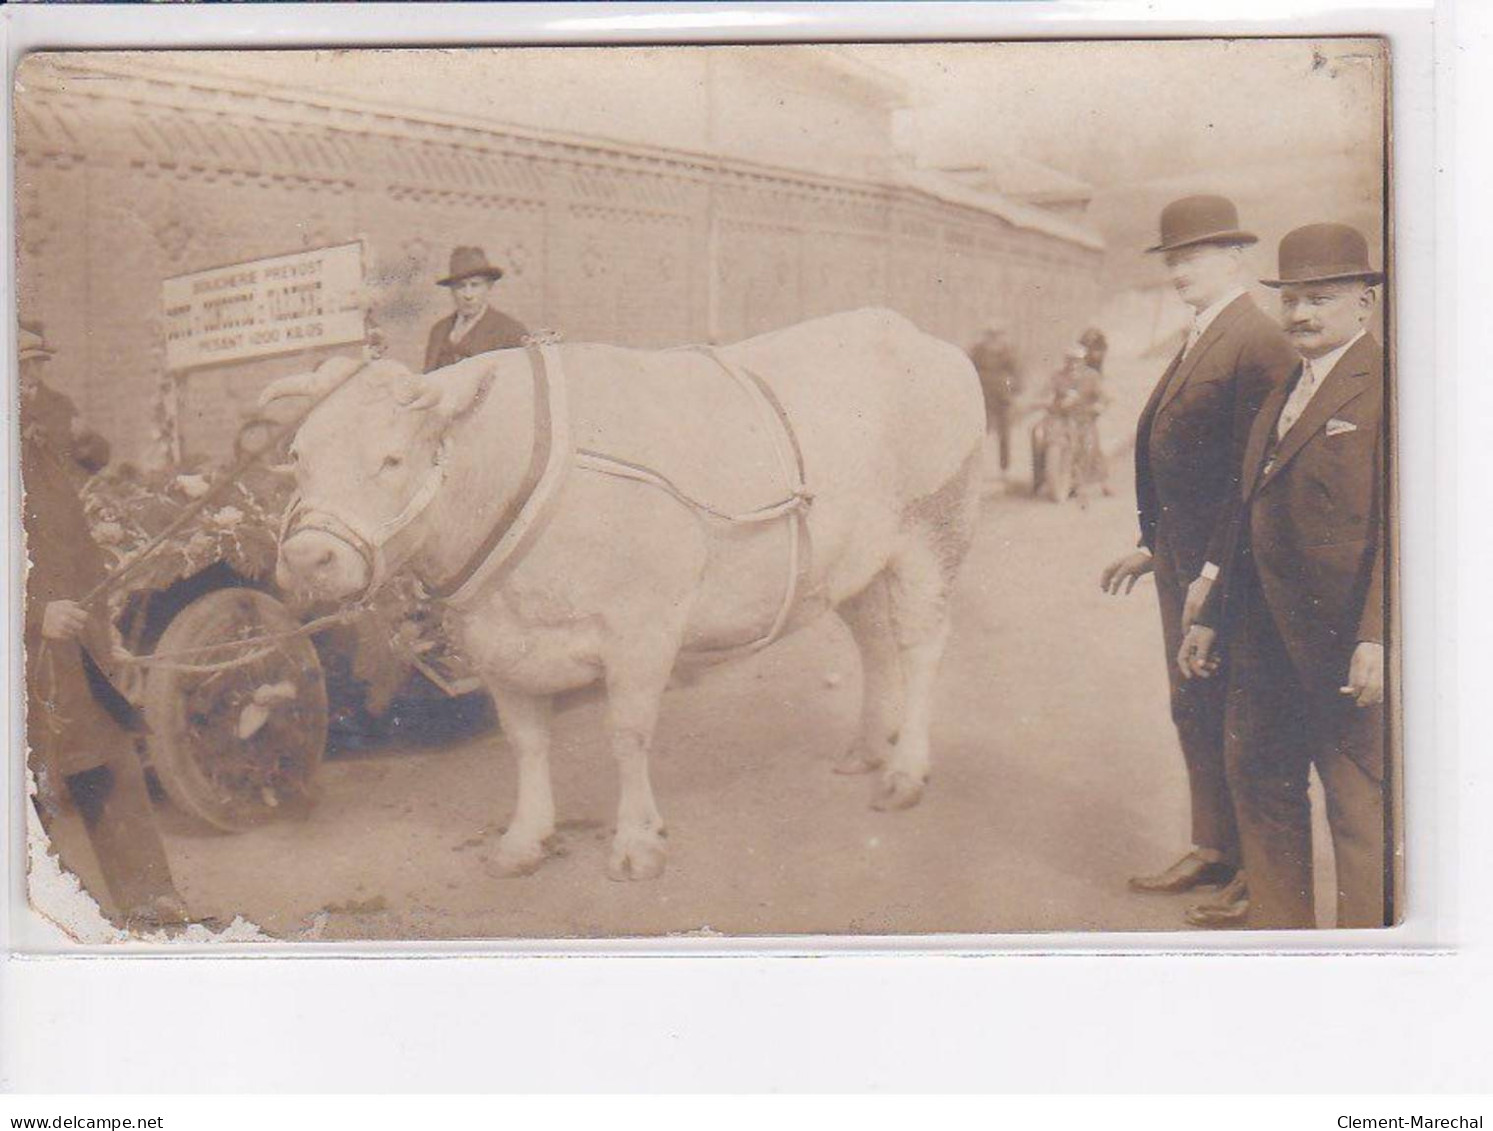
x=1300, y=397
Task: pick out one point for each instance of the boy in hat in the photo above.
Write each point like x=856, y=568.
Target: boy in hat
x=1188, y=449
x=1096, y=346
x=77, y=723
x=1077, y=395
x=1300, y=600
x=474, y=326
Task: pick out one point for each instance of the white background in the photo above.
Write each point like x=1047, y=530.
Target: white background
x=1413, y=1017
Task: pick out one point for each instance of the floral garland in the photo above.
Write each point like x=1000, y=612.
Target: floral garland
x=127, y=507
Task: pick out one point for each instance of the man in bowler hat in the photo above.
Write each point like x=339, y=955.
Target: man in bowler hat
x=474, y=326
x=77, y=724
x=1188, y=450
x=1299, y=605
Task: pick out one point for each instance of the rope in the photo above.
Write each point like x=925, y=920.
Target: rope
x=791, y=508
x=588, y=460
x=116, y=576
x=273, y=640
x=791, y=464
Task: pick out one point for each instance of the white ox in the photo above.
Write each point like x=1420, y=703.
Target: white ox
x=620, y=579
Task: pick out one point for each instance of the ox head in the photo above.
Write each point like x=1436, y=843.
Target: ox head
x=368, y=462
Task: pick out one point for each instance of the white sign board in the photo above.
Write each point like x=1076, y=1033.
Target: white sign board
x=264, y=307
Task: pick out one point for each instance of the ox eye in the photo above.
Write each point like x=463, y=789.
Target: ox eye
x=391, y=462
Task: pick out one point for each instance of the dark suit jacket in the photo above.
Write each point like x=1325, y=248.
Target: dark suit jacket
x=1189, y=443
x=493, y=331
x=1000, y=373
x=1308, y=529
x=73, y=712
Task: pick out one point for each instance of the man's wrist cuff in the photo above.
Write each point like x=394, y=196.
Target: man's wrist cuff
x=1209, y=572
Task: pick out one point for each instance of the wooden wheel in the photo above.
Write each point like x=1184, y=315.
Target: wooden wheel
x=241, y=745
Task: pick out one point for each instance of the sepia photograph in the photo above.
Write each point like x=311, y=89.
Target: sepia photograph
x=595, y=493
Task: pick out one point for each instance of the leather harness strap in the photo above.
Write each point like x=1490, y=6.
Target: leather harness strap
x=549, y=432
x=522, y=518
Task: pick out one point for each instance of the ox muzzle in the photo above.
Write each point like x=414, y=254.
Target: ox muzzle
x=346, y=539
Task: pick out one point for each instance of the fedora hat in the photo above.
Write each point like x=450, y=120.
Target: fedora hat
x=1324, y=253
x=31, y=345
x=469, y=263
x=1197, y=220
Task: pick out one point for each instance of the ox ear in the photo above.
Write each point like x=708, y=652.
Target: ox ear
x=458, y=386
x=289, y=394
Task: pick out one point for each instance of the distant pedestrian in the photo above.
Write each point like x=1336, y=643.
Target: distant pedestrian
x=1096, y=348
x=1076, y=399
x=1001, y=379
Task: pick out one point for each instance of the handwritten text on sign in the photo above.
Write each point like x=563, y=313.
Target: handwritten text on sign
x=268, y=306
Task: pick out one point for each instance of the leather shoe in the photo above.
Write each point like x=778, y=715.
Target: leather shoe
x=1229, y=908
x=1192, y=871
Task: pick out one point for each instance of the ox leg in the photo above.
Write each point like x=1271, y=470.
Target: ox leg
x=633, y=697
x=526, y=722
x=919, y=600
x=869, y=617
x=939, y=532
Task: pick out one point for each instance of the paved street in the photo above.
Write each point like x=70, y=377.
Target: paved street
x=1055, y=777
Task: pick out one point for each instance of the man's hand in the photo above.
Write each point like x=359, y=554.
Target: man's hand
x=1197, y=659
x=62, y=620
x=1197, y=597
x=1122, y=573
x=1366, y=674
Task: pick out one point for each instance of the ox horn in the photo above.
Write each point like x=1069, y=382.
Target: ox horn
x=322, y=380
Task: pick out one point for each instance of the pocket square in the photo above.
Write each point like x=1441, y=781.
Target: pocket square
x=1338, y=427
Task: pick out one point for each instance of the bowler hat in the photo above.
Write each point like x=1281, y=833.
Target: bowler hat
x=1323, y=253
x=1198, y=220
x=469, y=263
x=30, y=344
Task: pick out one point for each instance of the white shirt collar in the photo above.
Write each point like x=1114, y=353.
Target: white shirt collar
x=1321, y=367
x=1204, y=318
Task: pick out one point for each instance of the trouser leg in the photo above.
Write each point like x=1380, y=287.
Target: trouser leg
x=1197, y=708
x=1098, y=467
x=1269, y=749
x=1000, y=421
x=1350, y=763
x=115, y=805
x=68, y=838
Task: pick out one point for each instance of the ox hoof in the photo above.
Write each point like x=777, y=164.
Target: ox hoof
x=519, y=858
x=897, y=790
x=636, y=857
x=858, y=760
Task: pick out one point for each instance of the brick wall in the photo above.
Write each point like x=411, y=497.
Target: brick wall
x=124, y=182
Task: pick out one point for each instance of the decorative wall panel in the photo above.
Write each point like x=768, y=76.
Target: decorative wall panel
x=123, y=183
